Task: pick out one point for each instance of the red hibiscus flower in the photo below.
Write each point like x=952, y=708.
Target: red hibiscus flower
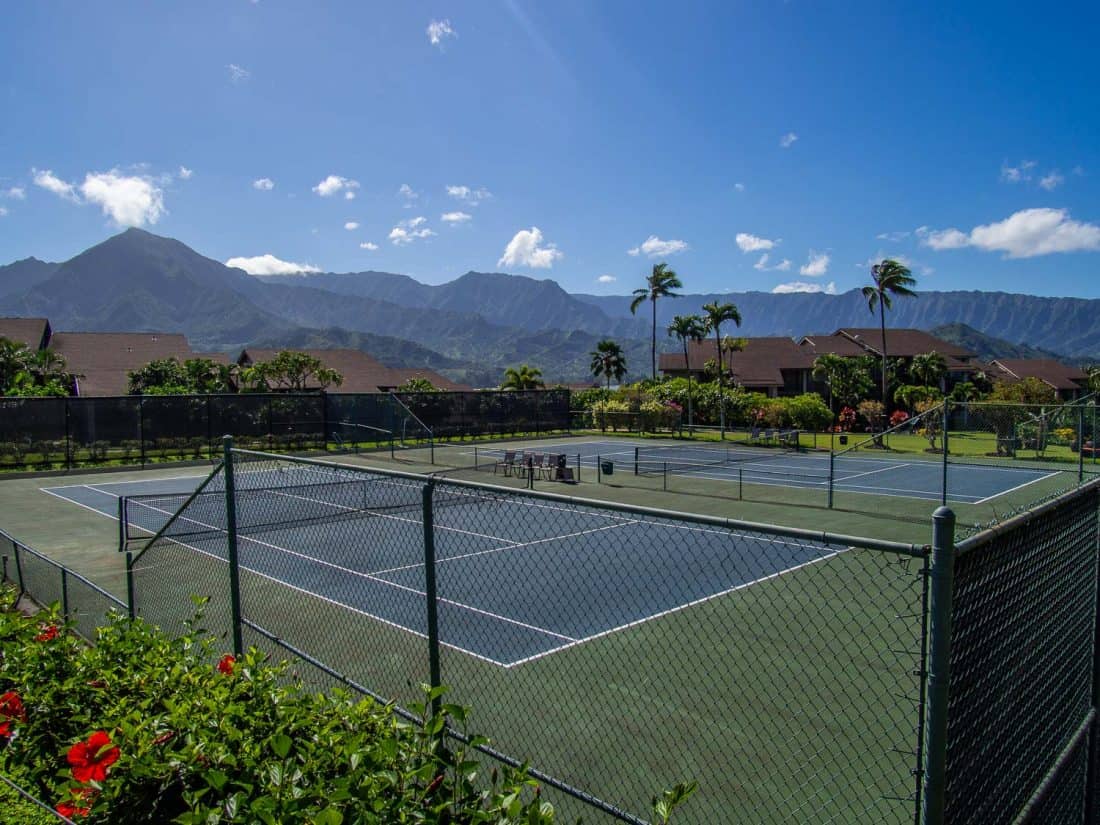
x=90, y=760
x=49, y=631
x=226, y=663
x=5, y=730
x=11, y=706
x=72, y=811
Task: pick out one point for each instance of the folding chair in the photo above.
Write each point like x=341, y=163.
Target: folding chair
x=507, y=465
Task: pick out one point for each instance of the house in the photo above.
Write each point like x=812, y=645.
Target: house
x=773, y=366
x=33, y=333
x=102, y=361
x=1069, y=383
x=361, y=372
x=440, y=382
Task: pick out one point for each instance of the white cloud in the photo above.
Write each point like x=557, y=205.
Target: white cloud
x=762, y=264
x=3, y=211
x=367, y=245
x=816, y=266
x=409, y=194
x=263, y=184
x=270, y=265
x=470, y=196
x=1079, y=171
x=740, y=187
x=1024, y=234
x=238, y=74
x=335, y=183
x=15, y=193
x=46, y=179
x=802, y=286
x=1052, y=180
x=751, y=243
x=654, y=247
x=408, y=231
x=185, y=173
x=1017, y=174
x=787, y=141
x=607, y=279
x=893, y=237
x=127, y=200
x=526, y=249
x=440, y=30
x=455, y=218
x=351, y=225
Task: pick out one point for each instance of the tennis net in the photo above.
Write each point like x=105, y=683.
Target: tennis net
x=650, y=460
x=287, y=506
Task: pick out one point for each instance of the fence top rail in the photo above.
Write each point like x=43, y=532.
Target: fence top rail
x=992, y=531
x=23, y=548
x=832, y=539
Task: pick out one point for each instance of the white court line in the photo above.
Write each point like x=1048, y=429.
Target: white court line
x=676, y=609
x=1014, y=489
x=50, y=492
x=329, y=600
x=510, y=546
x=371, y=577
x=846, y=479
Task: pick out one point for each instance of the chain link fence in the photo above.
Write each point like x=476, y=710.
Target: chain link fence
x=797, y=676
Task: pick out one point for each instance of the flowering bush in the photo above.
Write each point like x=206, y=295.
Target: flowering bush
x=898, y=418
x=151, y=730
x=846, y=419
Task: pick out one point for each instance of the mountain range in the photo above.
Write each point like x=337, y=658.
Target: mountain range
x=473, y=327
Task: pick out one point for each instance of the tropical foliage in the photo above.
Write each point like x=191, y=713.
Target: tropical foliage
x=25, y=372
x=716, y=315
x=659, y=284
x=848, y=379
x=167, y=376
x=289, y=371
x=524, y=377
x=608, y=361
x=689, y=329
x=888, y=279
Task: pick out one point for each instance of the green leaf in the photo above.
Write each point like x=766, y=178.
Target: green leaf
x=329, y=816
x=280, y=743
x=215, y=779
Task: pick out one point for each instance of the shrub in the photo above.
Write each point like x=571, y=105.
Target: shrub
x=611, y=413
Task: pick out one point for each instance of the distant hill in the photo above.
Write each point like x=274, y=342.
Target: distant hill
x=475, y=326
x=21, y=275
x=987, y=347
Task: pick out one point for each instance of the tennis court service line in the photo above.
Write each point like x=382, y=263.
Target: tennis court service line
x=676, y=609
x=509, y=545
x=48, y=491
x=1017, y=487
x=845, y=479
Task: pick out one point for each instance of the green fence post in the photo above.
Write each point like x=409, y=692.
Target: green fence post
x=832, y=465
x=599, y=470
x=231, y=544
x=946, y=419
x=1080, y=444
x=131, y=611
x=64, y=592
x=18, y=568
x=141, y=429
x=635, y=461
x=122, y=518
x=939, y=666
x=68, y=436
x=430, y=597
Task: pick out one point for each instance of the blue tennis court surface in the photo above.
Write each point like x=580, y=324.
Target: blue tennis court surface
x=881, y=476
x=518, y=579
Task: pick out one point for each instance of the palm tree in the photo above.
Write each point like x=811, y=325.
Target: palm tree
x=524, y=378
x=889, y=278
x=929, y=368
x=608, y=360
x=718, y=314
x=688, y=328
x=659, y=284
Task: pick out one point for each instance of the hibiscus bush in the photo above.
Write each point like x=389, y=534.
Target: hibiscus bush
x=139, y=728
x=142, y=728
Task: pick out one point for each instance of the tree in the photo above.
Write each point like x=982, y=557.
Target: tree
x=291, y=371
x=659, y=284
x=848, y=379
x=1094, y=377
x=205, y=375
x=889, y=278
x=524, y=378
x=162, y=376
x=608, y=360
x=25, y=372
x=688, y=328
x=718, y=314
x=928, y=368
x=417, y=383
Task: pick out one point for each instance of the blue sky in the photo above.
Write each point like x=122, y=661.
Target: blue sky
x=580, y=141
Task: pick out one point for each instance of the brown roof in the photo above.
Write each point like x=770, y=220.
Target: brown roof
x=33, y=333
x=216, y=357
x=903, y=343
x=440, y=382
x=361, y=372
x=101, y=360
x=1047, y=370
x=833, y=345
x=757, y=365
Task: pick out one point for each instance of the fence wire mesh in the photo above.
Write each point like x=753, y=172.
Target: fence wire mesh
x=1022, y=648
x=618, y=650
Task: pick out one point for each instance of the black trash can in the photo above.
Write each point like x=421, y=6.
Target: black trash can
x=607, y=468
